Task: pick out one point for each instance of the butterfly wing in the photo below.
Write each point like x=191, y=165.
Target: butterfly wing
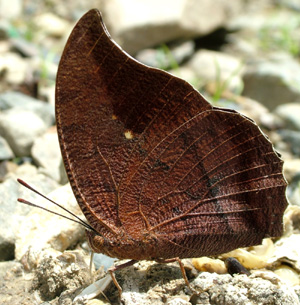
x=146, y=154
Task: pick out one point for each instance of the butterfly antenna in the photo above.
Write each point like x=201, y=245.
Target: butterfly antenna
x=77, y=220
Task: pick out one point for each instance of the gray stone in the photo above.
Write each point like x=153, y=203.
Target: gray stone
x=13, y=99
x=62, y=173
x=292, y=138
x=293, y=189
x=222, y=69
x=46, y=153
x=291, y=169
x=241, y=289
x=290, y=4
x=20, y=128
x=15, y=68
x=148, y=283
x=23, y=119
x=290, y=113
x=12, y=213
x=166, y=58
x=24, y=47
x=273, y=82
x=55, y=274
x=61, y=272
x=5, y=151
x=151, y=25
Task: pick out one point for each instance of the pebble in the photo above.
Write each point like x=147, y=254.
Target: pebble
x=166, y=57
x=152, y=25
x=10, y=9
x=13, y=213
x=243, y=289
x=16, y=100
x=222, y=69
x=293, y=139
x=273, y=82
x=15, y=68
x=20, y=128
x=289, y=275
x=50, y=158
x=290, y=113
x=7, y=167
x=51, y=24
x=5, y=151
x=43, y=230
x=209, y=264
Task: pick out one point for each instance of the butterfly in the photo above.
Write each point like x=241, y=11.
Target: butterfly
x=159, y=173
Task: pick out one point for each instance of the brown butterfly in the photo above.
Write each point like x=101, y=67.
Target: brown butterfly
x=158, y=172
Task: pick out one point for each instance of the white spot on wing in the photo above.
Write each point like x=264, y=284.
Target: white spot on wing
x=128, y=134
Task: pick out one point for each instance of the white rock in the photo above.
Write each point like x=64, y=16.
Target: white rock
x=13, y=213
x=10, y=9
x=211, y=66
x=138, y=24
x=20, y=128
x=15, y=67
x=43, y=230
x=51, y=24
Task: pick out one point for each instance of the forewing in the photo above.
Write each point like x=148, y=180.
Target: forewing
x=111, y=113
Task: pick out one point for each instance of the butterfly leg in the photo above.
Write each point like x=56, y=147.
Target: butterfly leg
x=112, y=271
x=178, y=260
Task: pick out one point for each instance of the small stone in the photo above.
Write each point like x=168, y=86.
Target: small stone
x=257, y=256
x=13, y=100
x=241, y=289
x=15, y=68
x=24, y=47
x=290, y=113
x=97, y=302
x=152, y=26
x=209, y=264
x=61, y=272
x=169, y=57
x=5, y=151
x=20, y=128
x=13, y=213
x=280, y=74
x=178, y=301
x=7, y=167
x=51, y=24
x=46, y=153
x=235, y=267
x=43, y=230
x=10, y=9
x=292, y=138
x=288, y=274
x=291, y=168
x=225, y=70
